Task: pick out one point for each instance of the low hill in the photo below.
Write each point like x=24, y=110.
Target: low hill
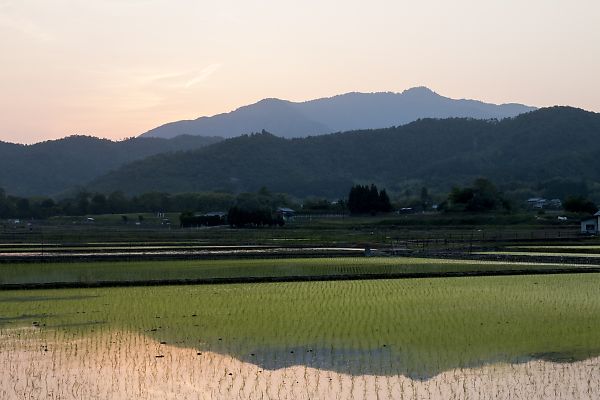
x=548, y=143
x=345, y=112
x=53, y=166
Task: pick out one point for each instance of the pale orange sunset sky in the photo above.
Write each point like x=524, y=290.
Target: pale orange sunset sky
x=116, y=68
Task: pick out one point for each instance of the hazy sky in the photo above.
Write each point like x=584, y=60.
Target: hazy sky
x=116, y=68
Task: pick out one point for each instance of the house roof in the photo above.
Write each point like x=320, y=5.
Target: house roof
x=597, y=214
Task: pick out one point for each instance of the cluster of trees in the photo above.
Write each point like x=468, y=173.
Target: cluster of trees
x=21, y=207
x=480, y=197
x=246, y=207
x=247, y=210
x=368, y=199
x=240, y=217
x=257, y=209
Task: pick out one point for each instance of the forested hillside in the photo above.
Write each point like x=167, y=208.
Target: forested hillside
x=558, y=144
x=51, y=167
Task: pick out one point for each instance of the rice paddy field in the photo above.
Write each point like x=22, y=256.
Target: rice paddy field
x=506, y=337
x=392, y=230
x=134, y=313
x=246, y=270
x=541, y=254
x=549, y=251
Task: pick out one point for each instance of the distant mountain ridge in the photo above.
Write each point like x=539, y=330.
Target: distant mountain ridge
x=350, y=111
x=50, y=167
x=520, y=152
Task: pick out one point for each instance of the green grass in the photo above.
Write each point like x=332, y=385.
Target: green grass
x=90, y=272
x=417, y=327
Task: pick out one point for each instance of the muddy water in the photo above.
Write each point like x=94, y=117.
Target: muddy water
x=125, y=365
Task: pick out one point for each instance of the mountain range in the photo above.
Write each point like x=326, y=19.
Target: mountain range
x=351, y=111
x=558, y=143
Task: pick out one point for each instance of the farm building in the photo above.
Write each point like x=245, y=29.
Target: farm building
x=590, y=225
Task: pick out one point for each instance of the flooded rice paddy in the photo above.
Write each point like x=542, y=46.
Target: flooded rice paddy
x=78, y=253
x=534, y=337
x=539, y=254
x=143, y=273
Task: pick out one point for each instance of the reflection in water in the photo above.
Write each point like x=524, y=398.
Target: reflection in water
x=126, y=365
x=384, y=361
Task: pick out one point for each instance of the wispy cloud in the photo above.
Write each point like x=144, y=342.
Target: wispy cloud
x=158, y=77
x=203, y=75
x=135, y=89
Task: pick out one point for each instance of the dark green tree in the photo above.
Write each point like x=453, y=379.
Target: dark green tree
x=482, y=196
x=367, y=199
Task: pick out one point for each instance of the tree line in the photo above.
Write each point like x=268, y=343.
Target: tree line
x=260, y=208
x=86, y=203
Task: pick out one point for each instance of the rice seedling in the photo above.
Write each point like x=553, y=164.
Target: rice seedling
x=359, y=339
x=147, y=271
x=423, y=338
